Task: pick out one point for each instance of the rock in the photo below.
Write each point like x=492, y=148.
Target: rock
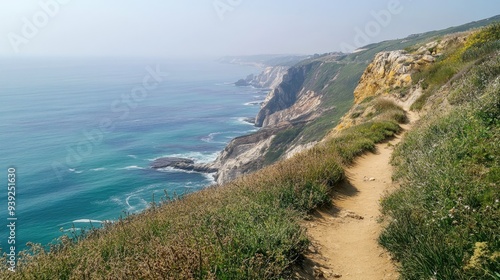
x=244, y=154
x=249, y=120
x=318, y=273
x=428, y=58
x=350, y=214
x=241, y=83
x=371, y=179
x=388, y=71
x=183, y=164
x=285, y=94
x=312, y=249
x=335, y=275
x=270, y=78
x=171, y=162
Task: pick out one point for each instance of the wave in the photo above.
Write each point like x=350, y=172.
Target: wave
x=254, y=103
x=133, y=201
x=132, y=156
x=210, y=137
x=243, y=120
x=98, y=169
x=132, y=167
x=175, y=170
x=224, y=84
x=88, y=221
x=210, y=178
x=72, y=229
x=143, y=204
x=75, y=171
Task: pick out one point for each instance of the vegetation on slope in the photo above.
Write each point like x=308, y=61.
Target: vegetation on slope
x=247, y=229
x=445, y=219
x=336, y=79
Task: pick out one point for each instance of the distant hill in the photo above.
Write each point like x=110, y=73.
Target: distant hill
x=264, y=60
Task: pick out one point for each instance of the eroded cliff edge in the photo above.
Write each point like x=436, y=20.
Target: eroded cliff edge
x=314, y=94
x=296, y=101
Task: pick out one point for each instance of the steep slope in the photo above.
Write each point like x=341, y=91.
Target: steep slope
x=448, y=205
x=454, y=148
x=269, y=78
x=251, y=228
x=317, y=92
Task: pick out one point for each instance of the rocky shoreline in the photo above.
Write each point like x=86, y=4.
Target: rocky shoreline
x=288, y=103
x=183, y=164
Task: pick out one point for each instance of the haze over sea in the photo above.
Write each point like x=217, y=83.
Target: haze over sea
x=68, y=175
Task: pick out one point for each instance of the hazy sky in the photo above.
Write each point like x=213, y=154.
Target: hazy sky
x=183, y=28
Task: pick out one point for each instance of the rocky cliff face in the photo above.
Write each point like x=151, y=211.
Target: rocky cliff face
x=391, y=71
x=269, y=78
x=284, y=96
x=389, y=75
x=292, y=103
x=311, y=97
x=305, y=108
x=243, y=154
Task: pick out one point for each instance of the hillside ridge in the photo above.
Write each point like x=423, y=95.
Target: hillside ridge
x=254, y=226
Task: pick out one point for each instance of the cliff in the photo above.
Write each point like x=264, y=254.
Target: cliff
x=316, y=95
x=298, y=100
x=244, y=154
x=269, y=78
x=447, y=165
x=391, y=71
x=390, y=75
x=284, y=96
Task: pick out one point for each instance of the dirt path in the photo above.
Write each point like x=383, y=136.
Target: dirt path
x=344, y=237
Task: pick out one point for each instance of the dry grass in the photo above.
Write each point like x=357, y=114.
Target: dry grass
x=448, y=206
x=247, y=229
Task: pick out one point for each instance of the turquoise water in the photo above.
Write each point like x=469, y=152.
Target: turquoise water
x=82, y=145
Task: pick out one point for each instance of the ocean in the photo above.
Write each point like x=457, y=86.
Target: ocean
x=82, y=133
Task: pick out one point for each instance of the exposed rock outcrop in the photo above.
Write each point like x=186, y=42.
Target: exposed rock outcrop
x=388, y=71
x=311, y=88
x=305, y=108
x=285, y=95
x=244, y=154
x=183, y=164
x=392, y=70
x=269, y=78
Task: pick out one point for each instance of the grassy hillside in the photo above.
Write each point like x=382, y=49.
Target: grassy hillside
x=336, y=79
x=445, y=220
x=247, y=229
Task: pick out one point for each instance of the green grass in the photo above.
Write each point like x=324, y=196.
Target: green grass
x=434, y=76
x=460, y=56
x=246, y=229
x=250, y=228
x=445, y=219
x=280, y=143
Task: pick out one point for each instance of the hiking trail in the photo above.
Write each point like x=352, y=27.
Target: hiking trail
x=345, y=237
